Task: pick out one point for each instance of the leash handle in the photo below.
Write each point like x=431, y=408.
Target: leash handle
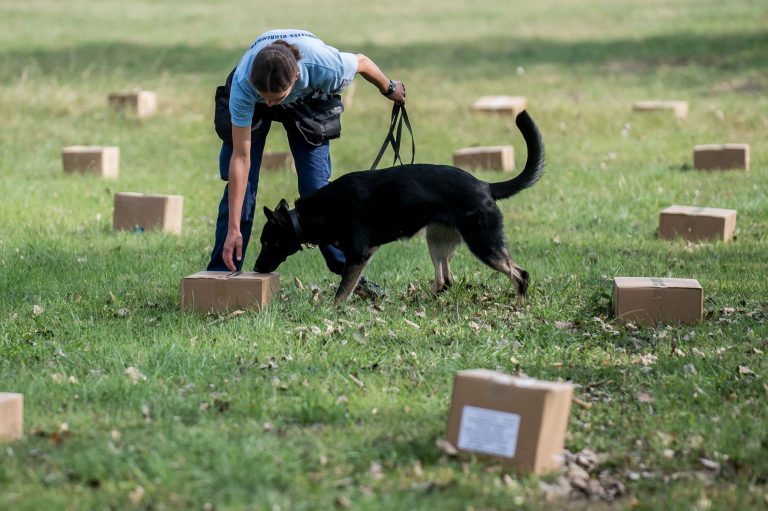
x=394, y=135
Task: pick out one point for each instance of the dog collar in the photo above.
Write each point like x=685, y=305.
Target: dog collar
x=296, y=225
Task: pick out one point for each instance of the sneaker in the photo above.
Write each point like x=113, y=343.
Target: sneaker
x=369, y=290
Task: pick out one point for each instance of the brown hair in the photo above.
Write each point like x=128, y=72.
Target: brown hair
x=275, y=66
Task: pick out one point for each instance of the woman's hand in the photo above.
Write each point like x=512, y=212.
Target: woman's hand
x=232, y=245
x=399, y=95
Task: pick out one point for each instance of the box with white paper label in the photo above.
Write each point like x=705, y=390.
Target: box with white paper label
x=519, y=421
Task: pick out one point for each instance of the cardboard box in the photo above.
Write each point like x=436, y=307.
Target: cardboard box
x=519, y=421
x=695, y=223
x=102, y=161
x=11, y=416
x=223, y=291
x=721, y=156
x=485, y=158
x=140, y=103
x=510, y=105
x=679, y=108
x=277, y=160
x=656, y=300
x=143, y=212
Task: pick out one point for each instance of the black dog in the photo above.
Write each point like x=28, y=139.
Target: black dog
x=361, y=211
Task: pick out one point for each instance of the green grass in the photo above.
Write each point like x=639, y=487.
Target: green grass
x=194, y=431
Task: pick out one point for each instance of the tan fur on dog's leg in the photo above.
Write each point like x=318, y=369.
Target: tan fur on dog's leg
x=517, y=275
x=348, y=282
x=442, y=241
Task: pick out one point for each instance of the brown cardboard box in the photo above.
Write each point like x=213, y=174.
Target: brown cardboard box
x=103, y=161
x=653, y=300
x=520, y=421
x=140, y=103
x=679, y=108
x=223, y=291
x=694, y=223
x=140, y=212
x=11, y=416
x=485, y=158
x=511, y=105
x=277, y=160
x=721, y=156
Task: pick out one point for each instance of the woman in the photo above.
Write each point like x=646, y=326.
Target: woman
x=285, y=75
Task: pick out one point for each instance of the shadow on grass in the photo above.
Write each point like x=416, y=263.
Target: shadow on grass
x=483, y=57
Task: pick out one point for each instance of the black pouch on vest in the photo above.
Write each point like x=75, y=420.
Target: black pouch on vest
x=317, y=117
x=222, y=121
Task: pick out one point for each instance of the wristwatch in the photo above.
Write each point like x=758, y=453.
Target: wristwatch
x=391, y=90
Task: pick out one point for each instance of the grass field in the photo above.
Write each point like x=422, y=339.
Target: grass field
x=263, y=412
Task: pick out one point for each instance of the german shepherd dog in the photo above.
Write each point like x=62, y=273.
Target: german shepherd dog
x=360, y=211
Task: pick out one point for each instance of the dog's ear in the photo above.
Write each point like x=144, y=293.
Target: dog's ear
x=282, y=210
x=269, y=214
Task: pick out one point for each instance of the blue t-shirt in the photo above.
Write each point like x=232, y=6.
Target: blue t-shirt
x=321, y=67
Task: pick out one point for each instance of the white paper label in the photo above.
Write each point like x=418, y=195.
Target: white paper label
x=488, y=431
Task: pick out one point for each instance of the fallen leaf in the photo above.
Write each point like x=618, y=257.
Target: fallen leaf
x=134, y=374
x=646, y=360
x=446, y=447
x=745, y=370
x=342, y=502
x=37, y=310
x=377, y=471
x=645, y=397
x=697, y=352
x=563, y=325
x=583, y=404
x=298, y=283
x=689, y=369
x=356, y=381
x=411, y=324
x=136, y=495
x=710, y=464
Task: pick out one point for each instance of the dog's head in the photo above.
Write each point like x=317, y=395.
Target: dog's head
x=278, y=239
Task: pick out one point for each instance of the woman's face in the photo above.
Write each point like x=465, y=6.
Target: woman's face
x=275, y=98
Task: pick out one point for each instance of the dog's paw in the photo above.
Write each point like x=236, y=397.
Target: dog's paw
x=522, y=284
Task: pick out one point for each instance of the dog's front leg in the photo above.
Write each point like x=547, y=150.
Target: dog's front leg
x=349, y=281
x=352, y=272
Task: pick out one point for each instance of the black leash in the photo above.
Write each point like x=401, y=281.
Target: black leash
x=399, y=116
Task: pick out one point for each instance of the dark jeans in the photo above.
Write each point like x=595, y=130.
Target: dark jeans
x=313, y=167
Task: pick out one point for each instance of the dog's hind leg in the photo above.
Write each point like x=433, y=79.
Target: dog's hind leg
x=442, y=240
x=485, y=238
x=350, y=278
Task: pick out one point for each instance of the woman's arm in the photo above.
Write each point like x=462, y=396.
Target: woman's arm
x=239, y=166
x=371, y=72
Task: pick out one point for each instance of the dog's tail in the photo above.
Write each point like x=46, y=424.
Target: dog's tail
x=534, y=165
